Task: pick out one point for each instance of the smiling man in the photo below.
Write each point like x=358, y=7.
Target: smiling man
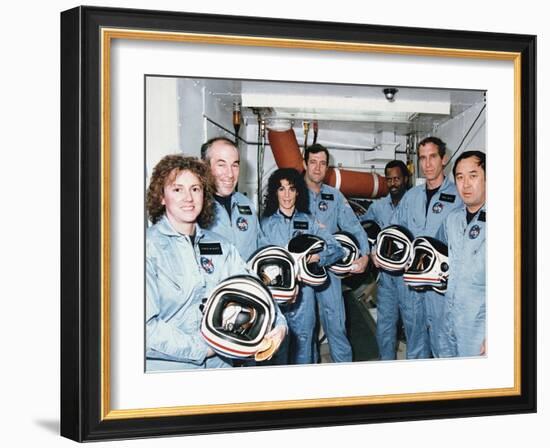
x=422, y=211
x=235, y=216
x=465, y=231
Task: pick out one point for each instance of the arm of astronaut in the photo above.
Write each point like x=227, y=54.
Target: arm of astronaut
x=441, y=234
x=333, y=251
x=371, y=214
x=164, y=340
x=260, y=238
x=348, y=222
x=263, y=231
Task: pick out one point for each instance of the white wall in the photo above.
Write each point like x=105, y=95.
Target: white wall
x=30, y=226
x=453, y=131
x=161, y=137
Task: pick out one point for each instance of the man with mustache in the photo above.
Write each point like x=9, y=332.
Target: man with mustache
x=391, y=289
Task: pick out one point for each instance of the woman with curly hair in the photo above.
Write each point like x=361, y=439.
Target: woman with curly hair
x=184, y=263
x=286, y=215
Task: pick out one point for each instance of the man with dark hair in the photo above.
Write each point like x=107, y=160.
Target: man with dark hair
x=465, y=231
x=391, y=289
x=235, y=217
x=333, y=211
x=422, y=211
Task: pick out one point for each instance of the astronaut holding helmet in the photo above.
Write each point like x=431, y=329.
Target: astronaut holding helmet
x=185, y=262
x=391, y=290
x=286, y=216
x=422, y=211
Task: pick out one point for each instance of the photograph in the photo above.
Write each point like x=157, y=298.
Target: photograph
x=280, y=224
x=304, y=223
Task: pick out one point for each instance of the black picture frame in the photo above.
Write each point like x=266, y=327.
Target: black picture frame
x=83, y=213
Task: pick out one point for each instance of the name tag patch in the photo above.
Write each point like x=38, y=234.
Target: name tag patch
x=327, y=196
x=210, y=249
x=301, y=225
x=481, y=217
x=244, y=209
x=447, y=197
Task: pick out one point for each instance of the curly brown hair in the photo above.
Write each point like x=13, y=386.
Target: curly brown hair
x=165, y=172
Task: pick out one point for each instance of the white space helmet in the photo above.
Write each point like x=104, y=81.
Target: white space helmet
x=277, y=269
x=236, y=317
x=429, y=265
x=351, y=253
x=301, y=247
x=394, y=248
x=372, y=229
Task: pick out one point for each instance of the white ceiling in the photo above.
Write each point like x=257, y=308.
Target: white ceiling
x=341, y=107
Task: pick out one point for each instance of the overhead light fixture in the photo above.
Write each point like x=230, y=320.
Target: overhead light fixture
x=389, y=93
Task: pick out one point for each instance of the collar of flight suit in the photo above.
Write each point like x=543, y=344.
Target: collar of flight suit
x=442, y=187
x=166, y=228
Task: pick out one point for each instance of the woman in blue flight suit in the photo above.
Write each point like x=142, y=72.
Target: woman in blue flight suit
x=286, y=215
x=184, y=262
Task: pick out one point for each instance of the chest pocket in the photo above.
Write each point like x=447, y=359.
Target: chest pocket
x=167, y=281
x=170, y=284
x=475, y=242
x=172, y=294
x=418, y=215
x=478, y=262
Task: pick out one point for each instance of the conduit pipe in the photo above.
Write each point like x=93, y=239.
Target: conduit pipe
x=351, y=183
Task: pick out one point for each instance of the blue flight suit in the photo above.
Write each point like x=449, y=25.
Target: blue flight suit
x=466, y=309
x=278, y=229
x=179, y=275
x=391, y=292
x=333, y=211
x=242, y=229
x=423, y=314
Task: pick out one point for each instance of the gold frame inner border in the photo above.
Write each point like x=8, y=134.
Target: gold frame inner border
x=107, y=36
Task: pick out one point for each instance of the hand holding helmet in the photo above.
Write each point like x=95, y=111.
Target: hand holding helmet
x=347, y=264
x=423, y=261
x=428, y=266
x=393, y=248
x=372, y=229
x=237, y=316
x=271, y=344
x=277, y=269
x=303, y=248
